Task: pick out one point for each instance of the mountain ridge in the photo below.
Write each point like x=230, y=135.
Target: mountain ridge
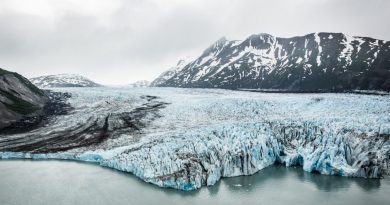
x=313, y=62
x=63, y=80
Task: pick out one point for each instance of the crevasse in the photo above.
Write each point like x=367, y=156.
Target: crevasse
x=204, y=135
x=202, y=157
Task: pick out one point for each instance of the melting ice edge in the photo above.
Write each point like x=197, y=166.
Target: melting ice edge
x=241, y=140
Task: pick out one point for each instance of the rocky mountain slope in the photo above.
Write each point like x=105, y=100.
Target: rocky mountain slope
x=63, y=80
x=314, y=62
x=161, y=79
x=18, y=98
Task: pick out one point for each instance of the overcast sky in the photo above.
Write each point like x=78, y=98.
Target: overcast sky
x=121, y=41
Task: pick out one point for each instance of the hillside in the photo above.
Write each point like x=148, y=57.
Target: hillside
x=18, y=97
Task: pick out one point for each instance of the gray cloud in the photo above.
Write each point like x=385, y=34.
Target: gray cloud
x=122, y=41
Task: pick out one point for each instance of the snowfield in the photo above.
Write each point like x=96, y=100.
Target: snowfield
x=202, y=135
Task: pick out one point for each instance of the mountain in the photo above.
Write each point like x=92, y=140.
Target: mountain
x=161, y=79
x=63, y=80
x=18, y=98
x=314, y=62
x=140, y=84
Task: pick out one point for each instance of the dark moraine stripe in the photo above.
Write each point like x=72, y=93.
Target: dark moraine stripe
x=95, y=131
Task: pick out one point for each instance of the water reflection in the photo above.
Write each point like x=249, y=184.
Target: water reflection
x=274, y=174
x=321, y=182
x=59, y=182
x=333, y=183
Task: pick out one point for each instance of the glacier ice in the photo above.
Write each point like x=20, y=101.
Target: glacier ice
x=206, y=134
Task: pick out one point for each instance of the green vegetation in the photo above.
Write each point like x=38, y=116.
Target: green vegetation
x=26, y=82
x=2, y=71
x=31, y=86
x=18, y=105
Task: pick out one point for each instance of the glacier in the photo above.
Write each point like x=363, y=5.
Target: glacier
x=203, y=135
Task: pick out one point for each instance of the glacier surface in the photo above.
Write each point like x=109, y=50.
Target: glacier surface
x=206, y=134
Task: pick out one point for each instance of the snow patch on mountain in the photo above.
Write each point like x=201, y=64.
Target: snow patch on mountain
x=318, y=41
x=317, y=61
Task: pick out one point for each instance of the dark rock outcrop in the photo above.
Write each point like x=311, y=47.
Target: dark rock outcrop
x=19, y=98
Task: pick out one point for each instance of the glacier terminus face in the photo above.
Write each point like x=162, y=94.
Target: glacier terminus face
x=189, y=138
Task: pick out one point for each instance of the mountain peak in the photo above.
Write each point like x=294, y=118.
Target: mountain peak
x=223, y=39
x=220, y=42
x=260, y=35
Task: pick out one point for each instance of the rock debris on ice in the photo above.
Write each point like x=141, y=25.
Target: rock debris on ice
x=205, y=134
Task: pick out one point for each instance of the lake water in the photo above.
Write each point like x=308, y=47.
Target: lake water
x=61, y=182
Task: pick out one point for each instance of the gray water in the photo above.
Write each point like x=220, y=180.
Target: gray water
x=62, y=182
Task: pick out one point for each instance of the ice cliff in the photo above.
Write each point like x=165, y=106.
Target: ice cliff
x=202, y=157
